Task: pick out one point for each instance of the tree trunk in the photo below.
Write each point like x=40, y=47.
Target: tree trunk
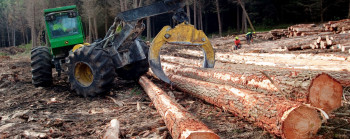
x=195, y=13
x=34, y=44
x=148, y=22
x=90, y=30
x=179, y=122
x=121, y=5
x=96, y=29
x=349, y=11
x=244, y=19
x=14, y=37
x=275, y=115
x=189, y=12
x=322, y=10
x=125, y=5
x=148, y=28
x=285, y=85
x=238, y=28
x=26, y=33
x=8, y=35
x=134, y=4
x=219, y=18
x=200, y=19
x=23, y=35
x=106, y=19
x=140, y=3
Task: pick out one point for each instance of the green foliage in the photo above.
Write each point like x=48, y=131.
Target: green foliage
x=3, y=54
x=26, y=47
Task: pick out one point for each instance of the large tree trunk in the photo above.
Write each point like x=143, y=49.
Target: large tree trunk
x=180, y=123
x=195, y=13
x=281, y=117
x=300, y=87
x=188, y=11
x=219, y=18
x=96, y=29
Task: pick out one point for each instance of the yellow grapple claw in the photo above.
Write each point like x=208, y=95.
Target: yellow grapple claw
x=182, y=34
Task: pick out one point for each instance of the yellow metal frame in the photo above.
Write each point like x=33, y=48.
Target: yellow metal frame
x=182, y=34
x=76, y=47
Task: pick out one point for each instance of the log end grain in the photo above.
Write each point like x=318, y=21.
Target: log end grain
x=301, y=123
x=325, y=92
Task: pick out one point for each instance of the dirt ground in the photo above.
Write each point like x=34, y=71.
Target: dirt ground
x=57, y=112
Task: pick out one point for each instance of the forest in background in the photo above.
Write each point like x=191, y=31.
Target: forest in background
x=22, y=20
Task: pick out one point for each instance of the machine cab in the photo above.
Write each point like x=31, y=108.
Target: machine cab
x=64, y=29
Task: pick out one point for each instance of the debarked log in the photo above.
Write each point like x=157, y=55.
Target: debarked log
x=319, y=90
x=180, y=123
x=278, y=116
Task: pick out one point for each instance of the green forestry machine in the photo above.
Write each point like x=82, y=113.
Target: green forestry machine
x=93, y=67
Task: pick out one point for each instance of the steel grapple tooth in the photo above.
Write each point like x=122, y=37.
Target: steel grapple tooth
x=182, y=34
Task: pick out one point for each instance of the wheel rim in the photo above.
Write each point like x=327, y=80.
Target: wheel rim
x=83, y=74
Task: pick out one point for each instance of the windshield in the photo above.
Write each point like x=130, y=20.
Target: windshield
x=63, y=26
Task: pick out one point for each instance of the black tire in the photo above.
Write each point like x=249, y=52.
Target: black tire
x=41, y=66
x=100, y=65
x=135, y=70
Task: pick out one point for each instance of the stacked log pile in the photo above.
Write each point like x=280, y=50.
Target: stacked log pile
x=341, y=26
x=299, y=86
x=340, y=42
x=332, y=27
x=281, y=117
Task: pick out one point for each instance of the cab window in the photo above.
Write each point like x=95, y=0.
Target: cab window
x=63, y=26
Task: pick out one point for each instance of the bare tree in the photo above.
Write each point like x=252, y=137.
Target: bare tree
x=349, y=10
x=200, y=17
x=91, y=9
x=195, y=13
x=148, y=22
x=188, y=10
x=219, y=18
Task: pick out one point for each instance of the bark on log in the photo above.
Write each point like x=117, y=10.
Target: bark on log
x=294, y=85
x=181, y=124
x=281, y=117
x=315, y=62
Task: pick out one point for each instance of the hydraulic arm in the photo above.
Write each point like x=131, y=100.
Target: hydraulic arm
x=128, y=26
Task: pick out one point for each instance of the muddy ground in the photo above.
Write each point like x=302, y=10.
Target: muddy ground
x=57, y=112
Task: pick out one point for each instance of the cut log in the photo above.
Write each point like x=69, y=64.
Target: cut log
x=320, y=38
x=294, y=87
x=322, y=45
x=281, y=117
x=181, y=124
x=320, y=95
x=314, y=62
x=113, y=130
x=312, y=46
x=305, y=47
